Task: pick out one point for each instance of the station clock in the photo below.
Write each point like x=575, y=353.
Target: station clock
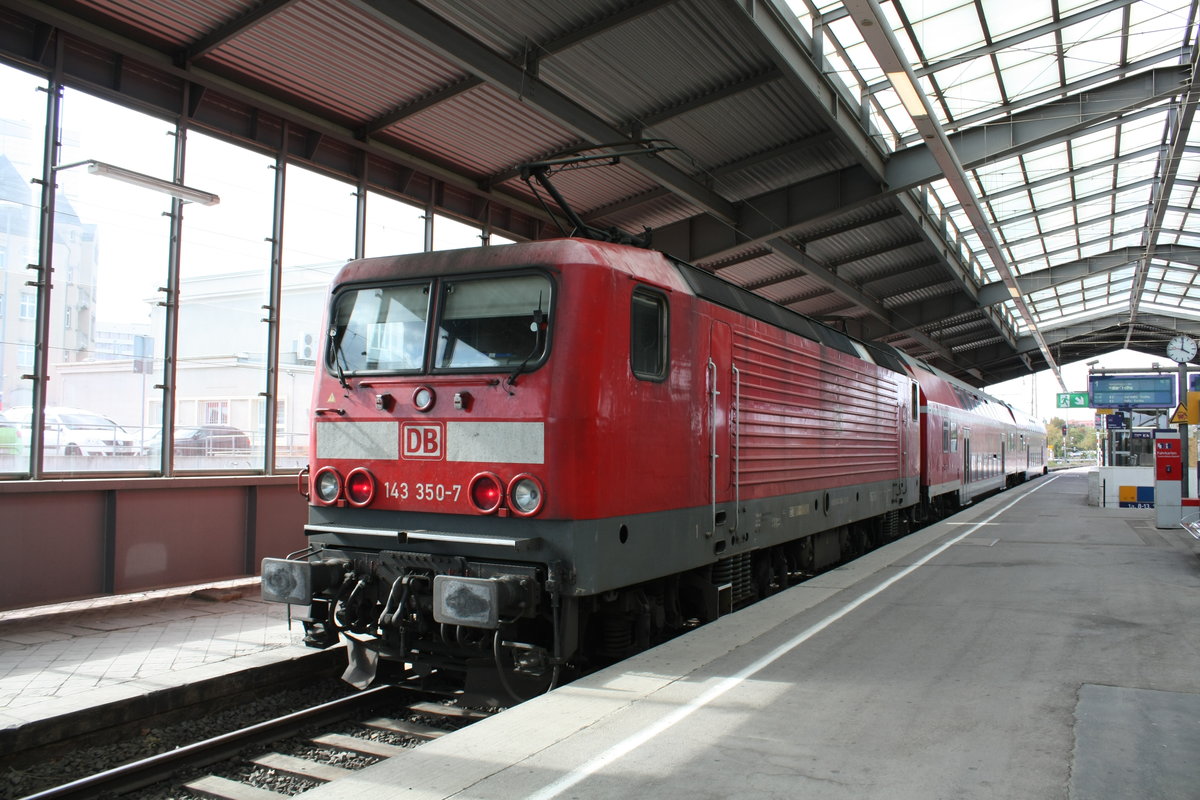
x=1181, y=349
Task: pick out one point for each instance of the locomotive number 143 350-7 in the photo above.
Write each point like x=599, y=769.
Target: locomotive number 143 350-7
x=426, y=492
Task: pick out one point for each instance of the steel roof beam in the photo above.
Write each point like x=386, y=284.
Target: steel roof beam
x=944, y=155
x=778, y=33
x=1001, y=111
x=1020, y=38
x=1175, y=138
x=847, y=290
x=1083, y=223
x=997, y=292
x=1022, y=188
x=779, y=212
x=536, y=54
x=1036, y=127
x=120, y=46
x=414, y=20
x=420, y=104
x=1078, y=201
x=231, y=30
x=602, y=25
x=744, y=84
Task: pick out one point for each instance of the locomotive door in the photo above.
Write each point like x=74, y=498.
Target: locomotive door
x=723, y=391
x=965, y=494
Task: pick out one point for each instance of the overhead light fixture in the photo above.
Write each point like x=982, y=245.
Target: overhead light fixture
x=177, y=190
x=909, y=96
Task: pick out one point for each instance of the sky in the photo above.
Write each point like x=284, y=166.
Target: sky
x=1037, y=394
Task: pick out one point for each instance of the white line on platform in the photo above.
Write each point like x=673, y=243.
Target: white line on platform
x=649, y=732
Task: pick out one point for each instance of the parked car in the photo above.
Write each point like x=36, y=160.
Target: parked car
x=75, y=431
x=13, y=441
x=203, y=440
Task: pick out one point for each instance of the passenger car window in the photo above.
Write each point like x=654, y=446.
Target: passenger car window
x=648, y=335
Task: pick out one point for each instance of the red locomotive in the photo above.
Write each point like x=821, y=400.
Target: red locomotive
x=539, y=456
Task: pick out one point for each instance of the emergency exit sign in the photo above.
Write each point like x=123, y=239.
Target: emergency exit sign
x=1073, y=400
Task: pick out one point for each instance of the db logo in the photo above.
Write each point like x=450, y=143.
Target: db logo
x=421, y=440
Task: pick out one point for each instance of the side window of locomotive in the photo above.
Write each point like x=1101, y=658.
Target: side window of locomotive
x=494, y=323
x=379, y=329
x=945, y=436
x=648, y=335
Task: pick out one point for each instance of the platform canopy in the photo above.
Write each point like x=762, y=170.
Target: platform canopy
x=993, y=186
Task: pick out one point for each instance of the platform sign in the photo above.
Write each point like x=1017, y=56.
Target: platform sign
x=1132, y=391
x=1073, y=400
x=1114, y=422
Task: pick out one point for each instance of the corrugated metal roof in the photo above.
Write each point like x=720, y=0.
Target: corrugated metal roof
x=794, y=170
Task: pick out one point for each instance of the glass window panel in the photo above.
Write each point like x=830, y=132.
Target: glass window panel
x=450, y=234
x=1154, y=27
x=1021, y=252
x=1093, y=148
x=1056, y=220
x=22, y=120
x=1092, y=46
x=1137, y=170
x=1046, y=162
x=1030, y=69
x=110, y=257
x=1012, y=205
x=225, y=279
x=393, y=226
x=318, y=239
x=1093, y=182
x=967, y=98
x=954, y=30
x=1005, y=17
x=1051, y=194
x=1144, y=132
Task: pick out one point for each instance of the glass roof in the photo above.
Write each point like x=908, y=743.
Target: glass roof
x=980, y=61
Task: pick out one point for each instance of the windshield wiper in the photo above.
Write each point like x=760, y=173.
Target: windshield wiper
x=337, y=358
x=538, y=327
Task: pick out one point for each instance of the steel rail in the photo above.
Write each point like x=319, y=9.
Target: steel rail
x=161, y=767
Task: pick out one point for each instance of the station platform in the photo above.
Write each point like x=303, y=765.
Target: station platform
x=1030, y=647
x=87, y=665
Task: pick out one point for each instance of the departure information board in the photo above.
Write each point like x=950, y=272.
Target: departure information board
x=1131, y=391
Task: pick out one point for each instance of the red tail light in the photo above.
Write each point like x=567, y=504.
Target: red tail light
x=360, y=487
x=486, y=492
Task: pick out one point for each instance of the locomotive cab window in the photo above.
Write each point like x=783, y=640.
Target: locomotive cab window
x=648, y=335
x=493, y=323
x=379, y=329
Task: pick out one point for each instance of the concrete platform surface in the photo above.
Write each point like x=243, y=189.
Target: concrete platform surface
x=59, y=664
x=1030, y=647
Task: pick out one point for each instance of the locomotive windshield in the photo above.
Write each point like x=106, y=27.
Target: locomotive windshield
x=496, y=323
x=493, y=322
x=380, y=329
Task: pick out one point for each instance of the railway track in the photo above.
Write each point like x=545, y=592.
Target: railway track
x=408, y=716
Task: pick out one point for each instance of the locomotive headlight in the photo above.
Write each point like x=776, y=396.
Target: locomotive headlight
x=525, y=495
x=423, y=398
x=360, y=487
x=328, y=485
